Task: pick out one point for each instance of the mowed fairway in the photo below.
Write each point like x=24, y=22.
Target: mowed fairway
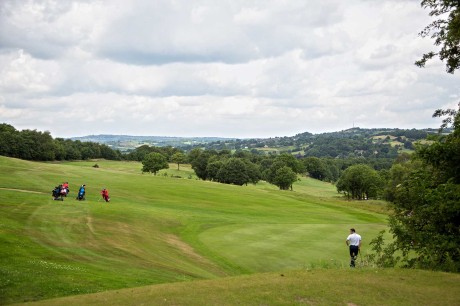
x=159, y=229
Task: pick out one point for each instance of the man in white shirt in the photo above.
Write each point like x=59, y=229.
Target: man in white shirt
x=354, y=243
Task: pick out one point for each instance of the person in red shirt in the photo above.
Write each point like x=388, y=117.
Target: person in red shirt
x=105, y=195
x=65, y=186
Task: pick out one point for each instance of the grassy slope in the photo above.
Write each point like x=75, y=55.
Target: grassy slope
x=310, y=287
x=160, y=229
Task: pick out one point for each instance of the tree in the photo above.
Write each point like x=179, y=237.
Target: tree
x=253, y=172
x=193, y=154
x=426, y=219
x=154, y=162
x=270, y=173
x=445, y=31
x=398, y=173
x=213, y=169
x=291, y=162
x=178, y=158
x=444, y=155
x=284, y=178
x=233, y=171
x=359, y=182
x=315, y=168
x=200, y=163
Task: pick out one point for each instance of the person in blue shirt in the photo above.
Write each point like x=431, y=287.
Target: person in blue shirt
x=81, y=192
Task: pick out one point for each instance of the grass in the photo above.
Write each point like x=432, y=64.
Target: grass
x=168, y=232
x=306, y=287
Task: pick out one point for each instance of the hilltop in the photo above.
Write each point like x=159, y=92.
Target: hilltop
x=354, y=142
x=128, y=142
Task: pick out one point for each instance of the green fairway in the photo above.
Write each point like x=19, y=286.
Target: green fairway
x=297, y=245
x=161, y=229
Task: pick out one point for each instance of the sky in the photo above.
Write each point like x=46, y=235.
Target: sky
x=220, y=68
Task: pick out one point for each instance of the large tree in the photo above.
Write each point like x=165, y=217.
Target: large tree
x=445, y=31
x=359, y=182
x=233, y=171
x=200, y=163
x=213, y=169
x=284, y=178
x=154, y=162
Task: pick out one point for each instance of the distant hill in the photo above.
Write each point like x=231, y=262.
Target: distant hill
x=353, y=142
x=127, y=142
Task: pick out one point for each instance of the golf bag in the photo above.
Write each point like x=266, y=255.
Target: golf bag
x=57, y=193
x=81, y=194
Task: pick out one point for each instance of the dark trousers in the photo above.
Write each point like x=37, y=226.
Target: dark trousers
x=354, y=250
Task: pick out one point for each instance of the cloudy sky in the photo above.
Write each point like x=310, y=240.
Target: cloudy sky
x=226, y=68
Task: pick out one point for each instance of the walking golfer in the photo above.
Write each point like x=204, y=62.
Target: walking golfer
x=354, y=243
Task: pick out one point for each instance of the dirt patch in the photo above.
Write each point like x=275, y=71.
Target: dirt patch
x=21, y=190
x=306, y=301
x=185, y=248
x=89, y=222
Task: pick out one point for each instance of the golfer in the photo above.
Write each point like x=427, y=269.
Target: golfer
x=354, y=243
x=105, y=194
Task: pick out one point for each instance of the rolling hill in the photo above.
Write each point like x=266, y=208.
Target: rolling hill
x=188, y=238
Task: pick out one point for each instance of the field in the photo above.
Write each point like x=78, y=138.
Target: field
x=182, y=241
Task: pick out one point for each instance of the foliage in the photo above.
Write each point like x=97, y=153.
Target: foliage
x=383, y=256
x=270, y=174
x=445, y=31
x=154, y=162
x=139, y=153
x=212, y=170
x=253, y=171
x=426, y=204
x=179, y=158
x=290, y=161
x=351, y=143
x=233, y=171
x=284, y=178
x=200, y=163
x=40, y=146
x=426, y=221
x=444, y=155
x=398, y=174
x=359, y=182
x=321, y=169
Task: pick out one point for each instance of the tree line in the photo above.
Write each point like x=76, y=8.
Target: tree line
x=240, y=167
x=244, y=167
x=41, y=146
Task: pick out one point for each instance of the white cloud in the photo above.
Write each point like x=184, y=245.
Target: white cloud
x=207, y=68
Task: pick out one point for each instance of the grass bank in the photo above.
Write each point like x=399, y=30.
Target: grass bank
x=307, y=287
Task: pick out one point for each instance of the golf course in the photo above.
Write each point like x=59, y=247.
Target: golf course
x=172, y=239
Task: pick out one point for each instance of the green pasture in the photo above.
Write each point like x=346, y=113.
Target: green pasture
x=161, y=229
